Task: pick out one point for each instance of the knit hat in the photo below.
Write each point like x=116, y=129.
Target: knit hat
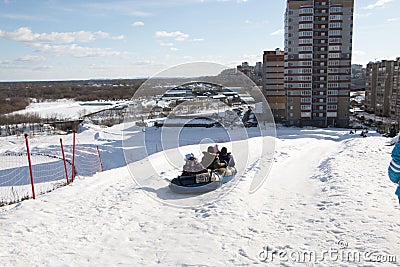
x=189, y=156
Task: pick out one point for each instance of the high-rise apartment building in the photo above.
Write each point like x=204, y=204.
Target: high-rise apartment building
x=395, y=100
x=382, y=88
x=273, y=83
x=318, y=48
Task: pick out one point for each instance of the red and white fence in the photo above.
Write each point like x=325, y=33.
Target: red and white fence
x=41, y=170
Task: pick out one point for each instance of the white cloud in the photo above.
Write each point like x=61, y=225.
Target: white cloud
x=77, y=51
x=177, y=35
x=278, y=32
x=359, y=53
x=174, y=49
x=29, y=58
x=138, y=24
x=23, y=17
x=252, y=57
x=197, y=40
x=25, y=34
x=166, y=44
x=359, y=15
x=378, y=3
x=118, y=37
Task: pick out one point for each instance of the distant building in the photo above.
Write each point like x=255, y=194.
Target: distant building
x=318, y=45
x=273, y=83
x=357, y=77
x=382, y=88
x=253, y=72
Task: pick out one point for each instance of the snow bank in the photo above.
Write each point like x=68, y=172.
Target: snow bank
x=327, y=191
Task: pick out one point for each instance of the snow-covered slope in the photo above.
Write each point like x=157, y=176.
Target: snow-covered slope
x=327, y=192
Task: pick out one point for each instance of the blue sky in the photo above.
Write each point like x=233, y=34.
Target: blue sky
x=62, y=40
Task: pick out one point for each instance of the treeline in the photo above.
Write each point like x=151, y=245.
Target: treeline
x=17, y=95
x=13, y=119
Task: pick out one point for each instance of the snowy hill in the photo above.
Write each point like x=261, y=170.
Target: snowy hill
x=326, y=197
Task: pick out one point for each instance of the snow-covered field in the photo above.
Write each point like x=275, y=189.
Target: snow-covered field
x=327, y=201
x=66, y=108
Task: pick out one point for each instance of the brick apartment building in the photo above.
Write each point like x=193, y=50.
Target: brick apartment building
x=273, y=83
x=317, y=71
x=382, y=88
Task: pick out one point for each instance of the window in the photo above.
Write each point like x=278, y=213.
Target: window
x=304, y=71
x=334, y=40
x=305, y=33
x=305, y=41
x=332, y=99
x=332, y=107
x=306, y=18
x=334, y=48
x=305, y=100
x=335, y=32
x=335, y=25
x=305, y=48
x=304, y=85
x=305, y=56
x=304, y=78
x=336, y=9
x=305, y=107
x=305, y=63
x=333, y=70
x=306, y=11
x=305, y=26
x=333, y=85
x=333, y=92
x=334, y=55
x=333, y=63
x=335, y=17
x=305, y=92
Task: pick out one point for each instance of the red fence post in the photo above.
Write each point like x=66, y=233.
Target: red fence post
x=30, y=165
x=65, y=162
x=73, y=158
x=101, y=162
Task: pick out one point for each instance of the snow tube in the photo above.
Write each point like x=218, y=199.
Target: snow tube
x=228, y=173
x=196, y=184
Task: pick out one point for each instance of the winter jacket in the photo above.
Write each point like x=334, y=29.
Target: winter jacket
x=192, y=166
x=211, y=161
x=394, y=166
x=228, y=159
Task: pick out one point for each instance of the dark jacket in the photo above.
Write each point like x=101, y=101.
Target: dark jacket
x=227, y=158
